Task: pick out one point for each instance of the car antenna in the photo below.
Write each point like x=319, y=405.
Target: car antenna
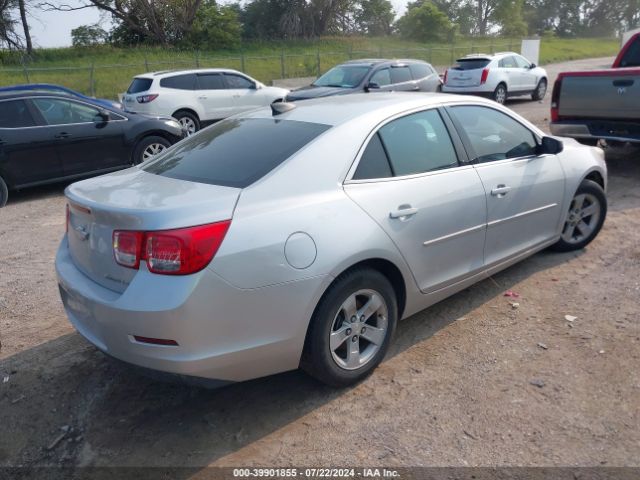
x=281, y=107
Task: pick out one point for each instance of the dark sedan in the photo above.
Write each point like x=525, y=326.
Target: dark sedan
x=372, y=75
x=47, y=137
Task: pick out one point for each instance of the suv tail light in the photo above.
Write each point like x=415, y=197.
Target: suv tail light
x=147, y=98
x=483, y=77
x=555, y=99
x=181, y=251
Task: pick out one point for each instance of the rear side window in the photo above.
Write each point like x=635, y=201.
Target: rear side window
x=180, y=82
x=374, y=162
x=418, y=143
x=471, y=64
x=631, y=57
x=420, y=70
x=140, y=85
x=494, y=135
x=235, y=152
x=400, y=74
x=15, y=114
x=211, y=81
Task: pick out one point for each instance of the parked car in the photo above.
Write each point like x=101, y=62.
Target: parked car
x=358, y=211
x=49, y=87
x=498, y=76
x=49, y=137
x=198, y=97
x=366, y=75
x=600, y=104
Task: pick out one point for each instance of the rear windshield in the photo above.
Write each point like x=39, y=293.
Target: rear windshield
x=235, y=152
x=631, y=57
x=140, y=85
x=471, y=64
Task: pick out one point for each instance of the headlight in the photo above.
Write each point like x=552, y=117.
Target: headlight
x=173, y=124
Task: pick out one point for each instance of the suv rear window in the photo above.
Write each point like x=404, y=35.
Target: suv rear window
x=471, y=64
x=140, y=85
x=235, y=152
x=180, y=82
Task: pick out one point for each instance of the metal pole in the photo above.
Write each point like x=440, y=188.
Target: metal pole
x=452, y=53
x=318, y=61
x=282, y=72
x=146, y=62
x=92, y=89
x=26, y=71
x=197, y=59
x=242, y=62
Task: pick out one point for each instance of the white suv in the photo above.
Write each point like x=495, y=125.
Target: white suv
x=198, y=97
x=498, y=76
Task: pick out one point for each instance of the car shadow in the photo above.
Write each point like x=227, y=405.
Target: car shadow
x=64, y=403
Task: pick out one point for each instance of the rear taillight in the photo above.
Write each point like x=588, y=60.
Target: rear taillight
x=555, y=99
x=170, y=252
x=483, y=77
x=147, y=98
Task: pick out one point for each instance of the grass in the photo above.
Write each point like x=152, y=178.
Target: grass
x=107, y=71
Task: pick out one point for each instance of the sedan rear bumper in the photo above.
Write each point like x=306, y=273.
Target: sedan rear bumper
x=223, y=332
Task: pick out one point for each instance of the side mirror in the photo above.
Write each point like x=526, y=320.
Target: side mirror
x=104, y=115
x=532, y=66
x=550, y=146
x=371, y=86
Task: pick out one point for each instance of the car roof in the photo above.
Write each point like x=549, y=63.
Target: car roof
x=371, y=62
x=338, y=109
x=167, y=73
x=486, y=56
x=8, y=95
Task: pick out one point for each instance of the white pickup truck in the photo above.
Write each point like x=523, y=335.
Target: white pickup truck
x=600, y=104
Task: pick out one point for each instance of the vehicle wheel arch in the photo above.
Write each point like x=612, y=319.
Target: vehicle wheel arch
x=595, y=176
x=147, y=134
x=187, y=110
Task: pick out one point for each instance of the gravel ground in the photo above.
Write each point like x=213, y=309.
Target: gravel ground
x=470, y=381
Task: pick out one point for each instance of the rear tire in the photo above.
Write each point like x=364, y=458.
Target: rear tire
x=540, y=91
x=4, y=193
x=148, y=147
x=585, y=218
x=351, y=328
x=188, y=121
x=500, y=94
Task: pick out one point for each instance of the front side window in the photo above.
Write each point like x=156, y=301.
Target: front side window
x=15, y=114
x=381, y=77
x=494, y=135
x=235, y=152
x=522, y=63
x=211, y=81
x=237, y=81
x=508, y=62
x=420, y=70
x=400, y=74
x=180, y=82
x=345, y=76
x=57, y=111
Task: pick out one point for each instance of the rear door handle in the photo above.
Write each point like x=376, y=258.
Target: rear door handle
x=62, y=135
x=202, y=97
x=404, y=212
x=500, y=191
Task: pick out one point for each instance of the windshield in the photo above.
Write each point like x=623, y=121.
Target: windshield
x=235, y=152
x=344, y=76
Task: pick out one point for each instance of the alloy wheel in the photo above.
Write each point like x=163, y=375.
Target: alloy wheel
x=359, y=329
x=152, y=150
x=188, y=124
x=500, y=94
x=583, y=218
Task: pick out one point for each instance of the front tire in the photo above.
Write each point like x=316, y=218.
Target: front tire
x=351, y=328
x=500, y=94
x=4, y=193
x=585, y=218
x=540, y=91
x=149, y=147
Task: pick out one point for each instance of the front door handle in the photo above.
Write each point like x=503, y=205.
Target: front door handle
x=202, y=97
x=62, y=135
x=404, y=212
x=500, y=191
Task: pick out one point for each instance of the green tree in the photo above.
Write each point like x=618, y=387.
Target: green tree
x=88, y=35
x=215, y=27
x=508, y=16
x=374, y=17
x=424, y=22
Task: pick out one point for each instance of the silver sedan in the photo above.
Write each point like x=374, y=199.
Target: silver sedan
x=298, y=236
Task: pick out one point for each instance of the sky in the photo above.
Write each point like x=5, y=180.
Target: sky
x=53, y=29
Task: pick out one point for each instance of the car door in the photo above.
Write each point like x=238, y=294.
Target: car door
x=510, y=68
x=401, y=79
x=524, y=190
x=86, y=141
x=426, y=78
x=213, y=95
x=409, y=180
x=244, y=93
x=527, y=77
x=27, y=151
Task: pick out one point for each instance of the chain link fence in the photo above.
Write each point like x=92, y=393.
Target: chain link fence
x=109, y=80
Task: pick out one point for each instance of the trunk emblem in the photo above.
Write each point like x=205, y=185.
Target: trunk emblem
x=83, y=233
x=622, y=91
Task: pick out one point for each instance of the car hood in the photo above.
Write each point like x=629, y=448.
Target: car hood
x=313, y=91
